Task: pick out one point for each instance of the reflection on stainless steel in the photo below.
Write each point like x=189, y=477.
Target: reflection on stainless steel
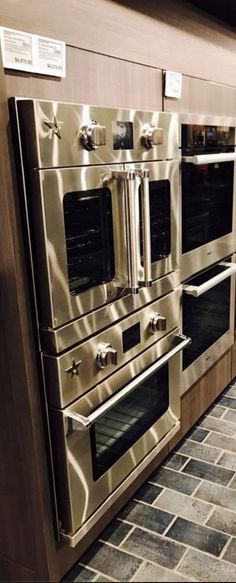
x=74, y=446
x=102, y=207
x=208, y=184
x=208, y=314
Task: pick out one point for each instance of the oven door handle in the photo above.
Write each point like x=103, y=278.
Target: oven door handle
x=145, y=206
x=209, y=158
x=131, y=226
x=83, y=423
x=198, y=290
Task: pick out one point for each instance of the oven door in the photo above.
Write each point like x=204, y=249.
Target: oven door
x=208, y=316
x=85, y=238
x=104, y=440
x=163, y=229
x=208, y=210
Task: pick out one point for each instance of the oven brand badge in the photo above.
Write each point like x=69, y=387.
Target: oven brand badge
x=54, y=127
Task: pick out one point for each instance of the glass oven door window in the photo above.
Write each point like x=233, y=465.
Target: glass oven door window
x=89, y=238
x=160, y=220
x=207, y=203
x=205, y=318
x=116, y=431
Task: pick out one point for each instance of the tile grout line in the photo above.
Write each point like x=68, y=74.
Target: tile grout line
x=126, y=536
x=143, y=564
x=221, y=555
x=211, y=511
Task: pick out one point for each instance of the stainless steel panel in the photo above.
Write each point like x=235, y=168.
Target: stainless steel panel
x=195, y=370
x=63, y=387
x=70, y=334
x=165, y=171
x=53, y=131
x=71, y=447
x=77, y=536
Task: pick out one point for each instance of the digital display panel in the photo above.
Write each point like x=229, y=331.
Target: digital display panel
x=131, y=337
x=122, y=132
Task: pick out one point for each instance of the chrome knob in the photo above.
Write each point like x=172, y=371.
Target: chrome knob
x=157, y=323
x=151, y=136
x=92, y=135
x=106, y=356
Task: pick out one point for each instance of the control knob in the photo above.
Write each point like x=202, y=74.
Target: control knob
x=106, y=356
x=157, y=323
x=151, y=136
x=92, y=135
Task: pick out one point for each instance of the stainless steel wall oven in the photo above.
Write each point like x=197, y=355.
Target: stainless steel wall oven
x=208, y=185
x=208, y=315
x=101, y=193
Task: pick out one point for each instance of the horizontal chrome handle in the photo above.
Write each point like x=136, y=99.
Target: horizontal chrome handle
x=198, y=159
x=83, y=423
x=198, y=290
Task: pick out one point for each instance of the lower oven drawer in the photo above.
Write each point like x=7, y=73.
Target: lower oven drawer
x=208, y=317
x=103, y=440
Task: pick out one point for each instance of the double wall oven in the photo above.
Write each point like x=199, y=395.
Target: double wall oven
x=101, y=194
x=208, y=239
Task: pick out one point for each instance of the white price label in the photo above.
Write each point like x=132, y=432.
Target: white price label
x=33, y=53
x=173, y=84
x=50, y=56
x=17, y=49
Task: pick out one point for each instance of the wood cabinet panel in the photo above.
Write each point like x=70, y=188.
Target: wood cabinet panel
x=93, y=79
x=170, y=35
x=199, y=96
x=233, y=361
x=199, y=397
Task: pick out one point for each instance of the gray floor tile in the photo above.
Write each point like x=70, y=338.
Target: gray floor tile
x=200, y=451
x=208, y=472
x=228, y=460
x=155, y=548
x=111, y=561
x=216, y=494
x=230, y=391
x=223, y=520
x=176, y=461
x=218, y=425
x=221, y=441
x=233, y=483
x=230, y=553
x=196, y=535
x=115, y=532
x=230, y=415
x=205, y=568
x=228, y=402
x=78, y=573
x=175, y=480
x=102, y=579
x=216, y=411
x=151, y=573
x=184, y=506
x=198, y=434
x=146, y=516
x=148, y=493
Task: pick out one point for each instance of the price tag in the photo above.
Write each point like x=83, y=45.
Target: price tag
x=50, y=56
x=17, y=49
x=33, y=53
x=173, y=84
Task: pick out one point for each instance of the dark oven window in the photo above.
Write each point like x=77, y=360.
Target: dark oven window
x=116, y=431
x=207, y=203
x=89, y=239
x=207, y=317
x=160, y=220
